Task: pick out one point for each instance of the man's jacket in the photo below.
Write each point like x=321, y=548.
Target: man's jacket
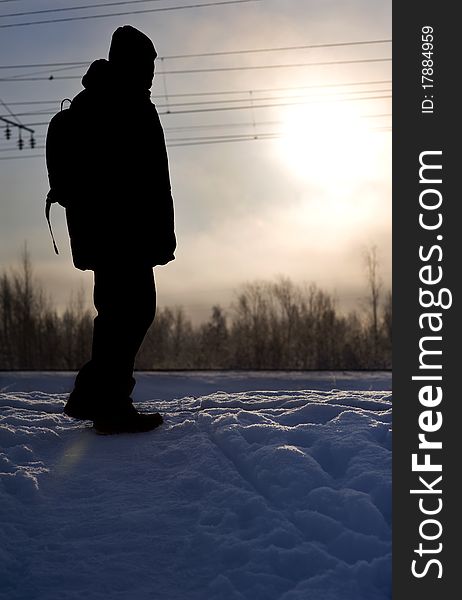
x=109, y=169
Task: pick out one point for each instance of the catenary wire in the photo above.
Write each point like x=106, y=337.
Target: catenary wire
x=309, y=99
x=10, y=112
x=194, y=142
x=132, y=12
x=79, y=7
x=178, y=128
x=208, y=54
x=368, y=116
x=231, y=92
x=218, y=69
x=247, y=107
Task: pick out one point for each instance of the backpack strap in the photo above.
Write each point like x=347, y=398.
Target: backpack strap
x=48, y=204
x=49, y=199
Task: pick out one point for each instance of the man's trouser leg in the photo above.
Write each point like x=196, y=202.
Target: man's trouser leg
x=125, y=299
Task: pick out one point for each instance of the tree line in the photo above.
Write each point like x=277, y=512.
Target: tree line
x=271, y=325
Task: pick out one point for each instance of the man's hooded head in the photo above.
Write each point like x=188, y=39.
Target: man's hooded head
x=132, y=54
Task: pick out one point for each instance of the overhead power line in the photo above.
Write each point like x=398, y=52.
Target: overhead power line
x=309, y=99
x=368, y=116
x=10, y=112
x=16, y=124
x=208, y=54
x=132, y=12
x=288, y=65
x=252, y=106
x=199, y=141
x=215, y=126
x=277, y=49
x=219, y=69
x=280, y=89
x=233, y=92
x=79, y=7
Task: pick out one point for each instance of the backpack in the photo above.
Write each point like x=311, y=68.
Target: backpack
x=58, y=140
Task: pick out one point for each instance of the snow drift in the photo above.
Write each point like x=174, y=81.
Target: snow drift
x=271, y=495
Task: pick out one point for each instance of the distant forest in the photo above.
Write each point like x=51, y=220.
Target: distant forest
x=271, y=325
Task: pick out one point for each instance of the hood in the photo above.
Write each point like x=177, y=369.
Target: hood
x=100, y=76
x=131, y=46
x=104, y=79
x=132, y=56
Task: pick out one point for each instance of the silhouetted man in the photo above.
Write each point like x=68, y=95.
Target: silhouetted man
x=113, y=180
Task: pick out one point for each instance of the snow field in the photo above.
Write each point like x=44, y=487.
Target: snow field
x=271, y=495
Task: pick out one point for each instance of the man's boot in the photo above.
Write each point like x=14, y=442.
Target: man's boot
x=122, y=417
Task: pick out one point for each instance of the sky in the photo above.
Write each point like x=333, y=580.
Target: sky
x=302, y=200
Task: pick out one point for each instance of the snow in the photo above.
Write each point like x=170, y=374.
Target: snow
x=280, y=494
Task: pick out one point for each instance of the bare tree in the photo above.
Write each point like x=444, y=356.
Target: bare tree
x=273, y=325
x=375, y=285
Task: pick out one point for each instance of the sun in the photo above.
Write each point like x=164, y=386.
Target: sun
x=328, y=144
